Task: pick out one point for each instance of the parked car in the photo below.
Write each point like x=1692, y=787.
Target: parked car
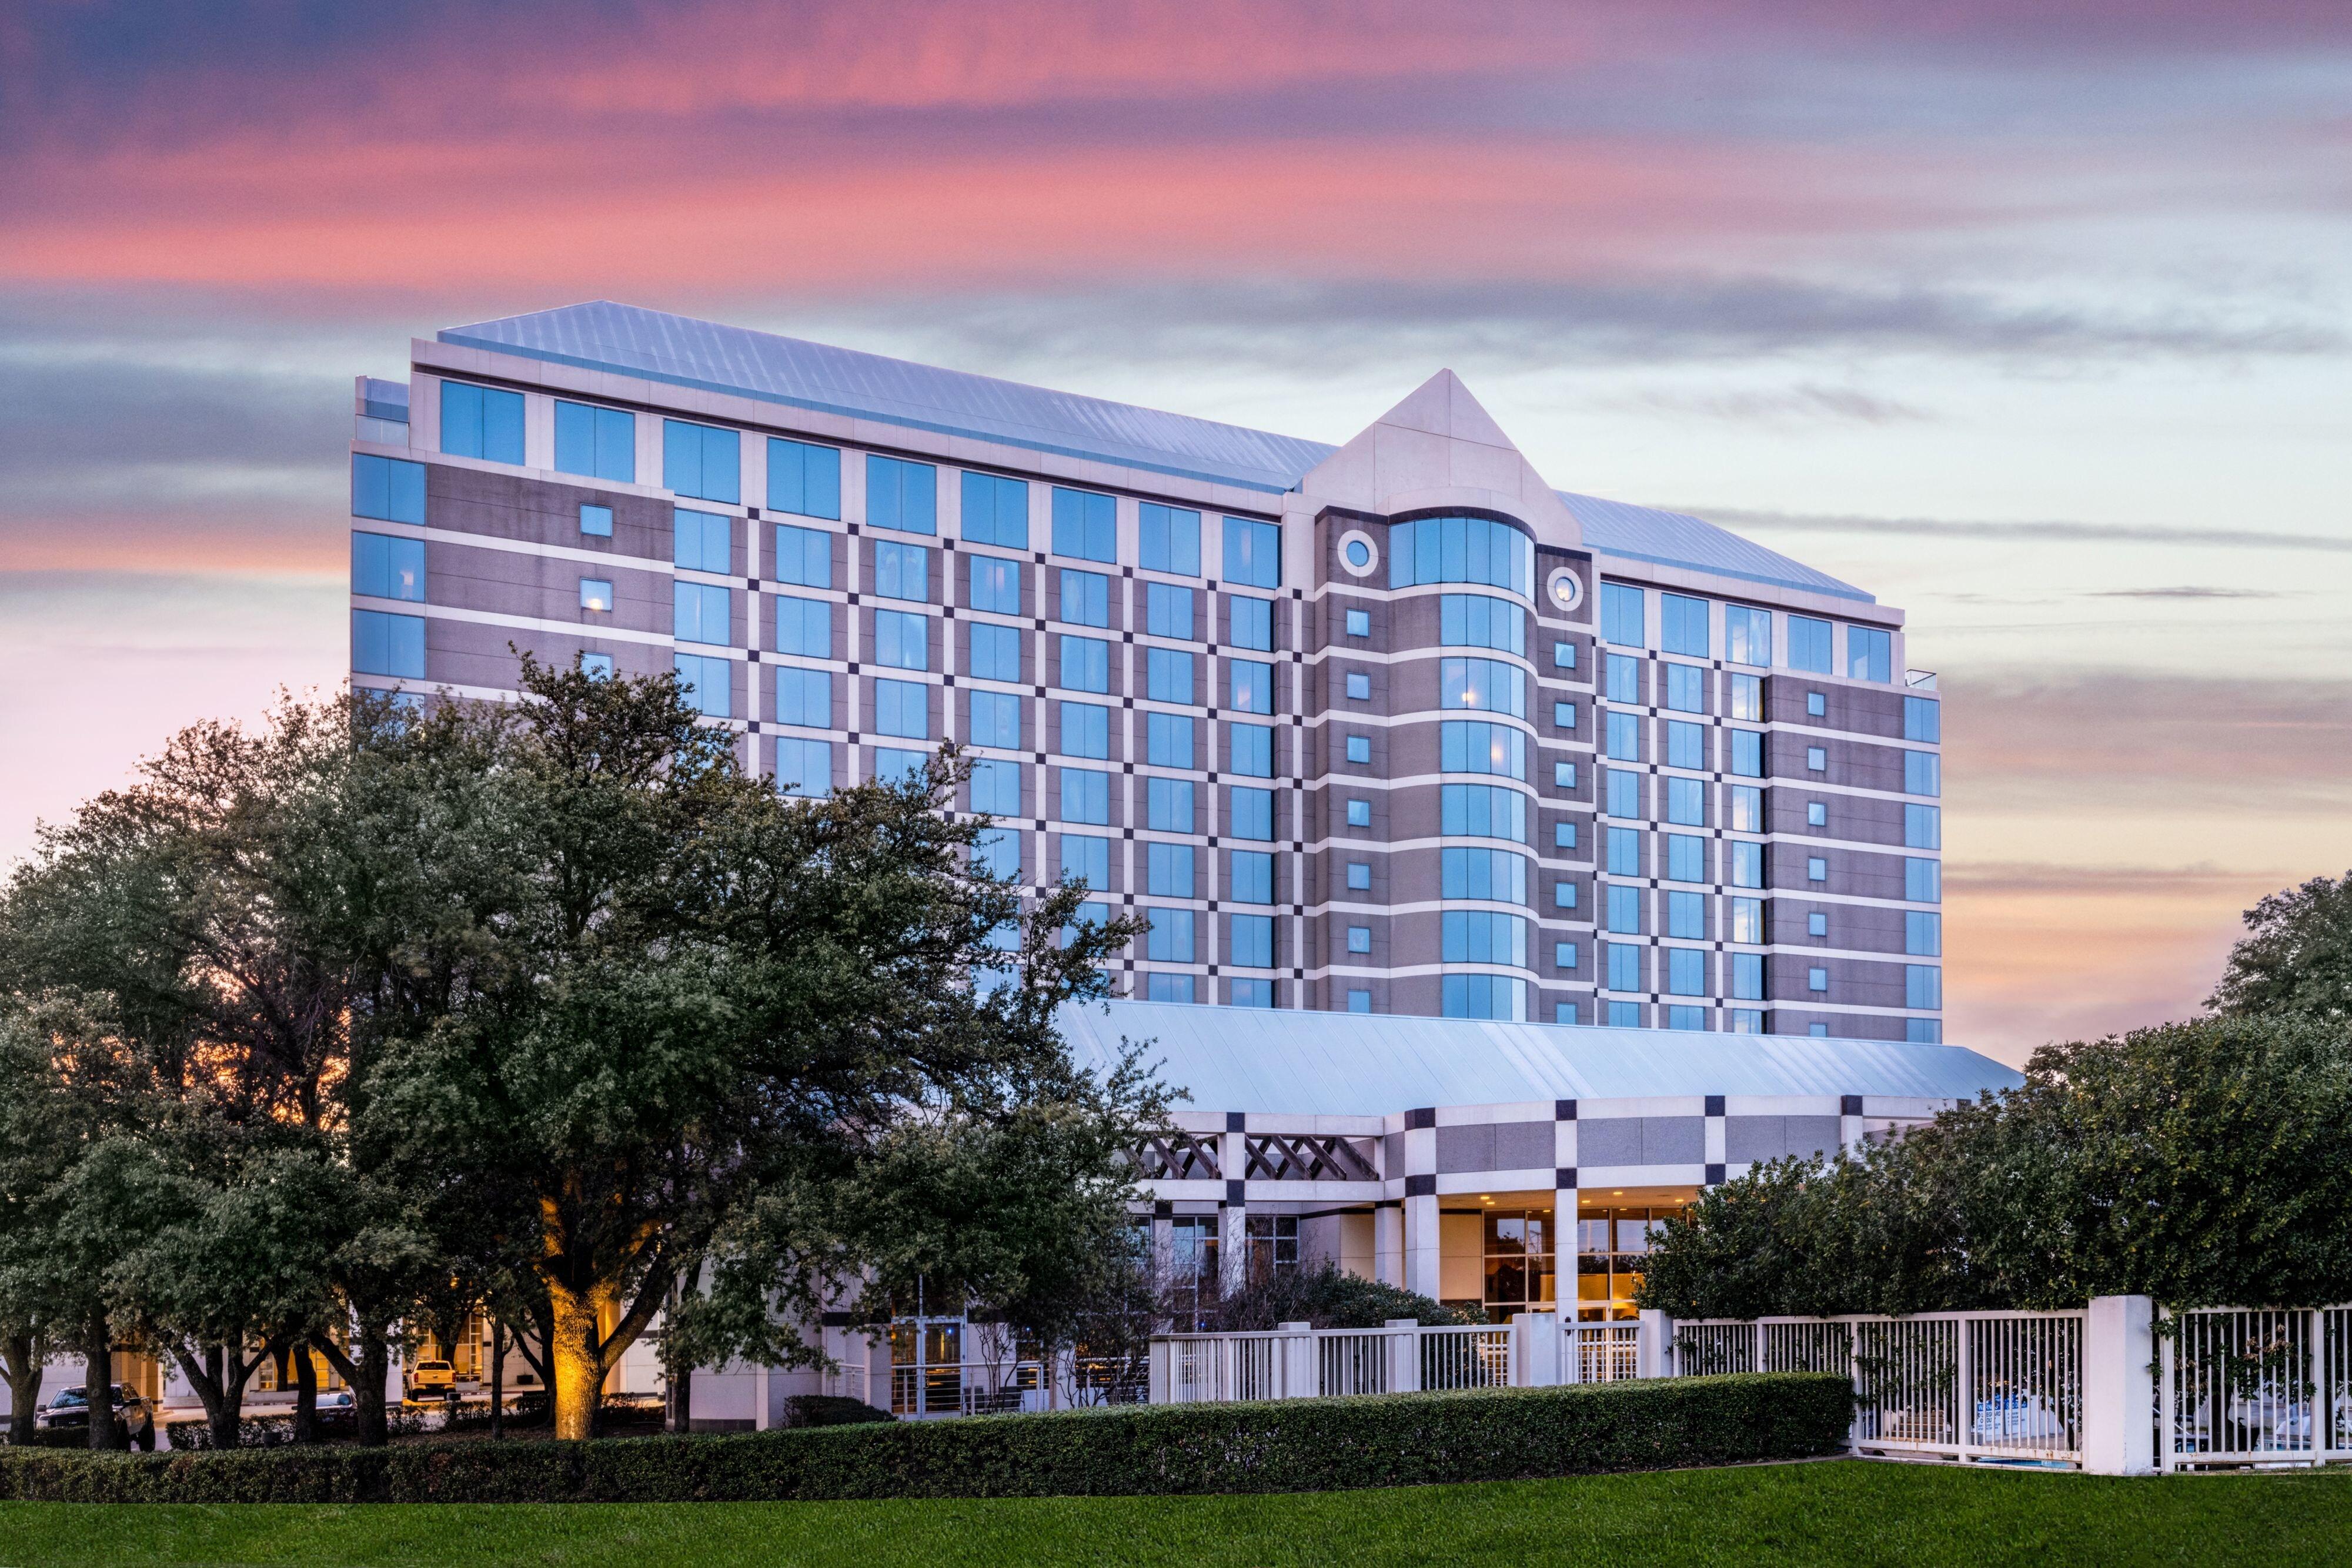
x=134, y=1416
x=432, y=1380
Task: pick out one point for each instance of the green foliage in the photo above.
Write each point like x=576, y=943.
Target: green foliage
x=1326, y=1296
x=2296, y=959
x=2203, y=1163
x=1302, y=1444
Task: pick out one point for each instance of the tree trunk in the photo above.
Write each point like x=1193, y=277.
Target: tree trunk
x=497, y=1379
x=579, y=1358
x=98, y=1382
x=219, y=1383
x=681, y=1400
x=367, y=1375
x=306, y=1396
x=24, y=1357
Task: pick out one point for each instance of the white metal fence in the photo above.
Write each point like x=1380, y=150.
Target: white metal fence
x=2240, y=1385
x=1296, y=1362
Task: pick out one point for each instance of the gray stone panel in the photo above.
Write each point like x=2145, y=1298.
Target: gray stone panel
x=1671, y=1140
x=1525, y=1145
x=1609, y=1141
x=1461, y=1150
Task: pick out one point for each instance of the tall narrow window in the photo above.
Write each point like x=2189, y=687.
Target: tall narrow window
x=995, y=510
x=1084, y=525
x=802, y=478
x=701, y=461
x=481, y=422
x=901, y=494
x=598, y=443
x=1253, y=553
x=1172, y=539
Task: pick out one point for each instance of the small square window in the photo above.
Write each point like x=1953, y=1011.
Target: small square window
x=1563, y=775
x=1359, y=938
x=1360, y=748
x=1359, y=1001
x=1359, y=622
x=1360, y=687
x=596, y=667
x=1360, y=813
x=1816, y=869
x=1817, y=924
x=596, y=593
x=1817, y=979
x=1817, y=1030
x=1817, y=813
x=598, y=520
x=1563, y=835
x=1359, y=875
x=1563, y=954
x=1816, y=703
x=1817, y=757
x=1563, y=715
x=1563, y=655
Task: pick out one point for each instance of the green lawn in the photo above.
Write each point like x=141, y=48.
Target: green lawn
x=1837, y=1512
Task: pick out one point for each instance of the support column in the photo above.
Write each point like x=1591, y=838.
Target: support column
x=1232, y=1216
x=1564, y=1195
x=1654, y=1356
x=2118, y=1386
x=1388, y=1242
x=1422, y=1247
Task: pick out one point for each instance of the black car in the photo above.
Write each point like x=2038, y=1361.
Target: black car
x=135, y=1416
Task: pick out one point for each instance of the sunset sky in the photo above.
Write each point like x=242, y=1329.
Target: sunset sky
x=2032, y=317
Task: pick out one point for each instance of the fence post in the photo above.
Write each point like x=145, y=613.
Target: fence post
x=1653, y=1348
x=1297, y=1349
x=2118, y=1344
x=1535, y=1350
x=1157, y=1388
x=1404, y=1355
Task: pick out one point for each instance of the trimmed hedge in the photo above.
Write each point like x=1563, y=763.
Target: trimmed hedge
x=1304, y=1445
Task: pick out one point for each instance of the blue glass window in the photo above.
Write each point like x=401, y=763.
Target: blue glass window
x=1687, y=916
x=804, y=627
x=902, y=571
x=1624, y=968
x=1168, y=675
x=707, y=685
x=1168, y=871
x=1923, y=880
x=1624, y=743
x=700, y=461
x=1086, y=664
x=996, y=652
x=995, y=584
x=383, y=567
x=1250, y=749
x=1563, y=957
x=902, y=641
x=1624, y=852
x=1621, y=676
x=1249, y=623
x=1085, y=729
x=1923, y=933
x=1252, y=877
x=1923, y=1031
x=1624, y=909
x=1252, y=943
x=1483, y=997
x=1253, y=553
x=995, y=510
x=1360, y=748
x=804, y=697
x=1624, y=615
x=1683, y=625
x=1686, y=803
x=1685, y=974
x=481, y=422
x=1249, y=812
x=1484, y=937
x=1465, y=746
x=387, y=488
x=1170, y=542
x=996, y=720
x=701, y=541
x=1748, y=753
x=1748, y=977
x=1923, y=719
x=802, y=478
x=1923, y=827
x=1482, y=812
x=1747, y=635
x=901, y=494
x=1086, y=859
x=385, y=644
x=1478, y=620
x=1923, y=773
x=1168, y=740
x=1923, y=986
x=1086, y=598
x=1563, y=655
x=1563, y=894
x=804, y=556
x=996, y=787
x=1747, y=863
x=1084, y=525
x=699, y=613
x=599, y=443
x=1461, y=549
x=996, y=853
x=1169, y=940
x=1168, y=805
x=1685, y=745
x=1086, y=796
x=596, y=521
x=1809, y=644
x=1488, y=684
x=1495, y=874
x=1685, y=858
x=1168, y=611
x=1625, y=793
x=892, y=765
x=902, y=708
x=596, y=593
x=804, y=767
x=1869, y=653
x=1252, y=685
x=596, y=667
x=1685, y=688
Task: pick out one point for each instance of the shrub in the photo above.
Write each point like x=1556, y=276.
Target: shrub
x=831, y=1410
x=1323, y=1295
x=1303, y=1445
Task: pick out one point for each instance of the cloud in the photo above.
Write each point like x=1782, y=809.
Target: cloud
x=2189, y=592
x=1802, y=404
x=80, y=417
x=2054, y=879
x=2031, y=532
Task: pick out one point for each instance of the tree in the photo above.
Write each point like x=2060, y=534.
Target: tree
x=33, y=1148
x=1322, y=1294
x=655, y=998
x=2203, y=1163
x=2296, y=957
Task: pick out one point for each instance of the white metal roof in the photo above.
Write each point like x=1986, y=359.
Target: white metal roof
x=710, y=356
x=1295, y=1062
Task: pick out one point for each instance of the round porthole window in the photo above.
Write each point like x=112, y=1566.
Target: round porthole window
x=1567, y=589
x=1358, y=553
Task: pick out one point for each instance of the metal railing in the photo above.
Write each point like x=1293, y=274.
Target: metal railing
x=1295, y=1362
x=2251, y=1385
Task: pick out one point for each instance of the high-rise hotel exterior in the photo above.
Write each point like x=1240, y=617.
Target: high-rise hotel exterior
x=1392, y=726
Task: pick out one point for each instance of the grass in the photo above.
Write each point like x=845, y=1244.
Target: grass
x=1833, y=1512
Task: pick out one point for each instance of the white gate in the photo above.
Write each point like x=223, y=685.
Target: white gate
x=2254, y=1386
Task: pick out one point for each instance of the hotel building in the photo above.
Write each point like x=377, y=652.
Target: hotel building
x=1392, y=726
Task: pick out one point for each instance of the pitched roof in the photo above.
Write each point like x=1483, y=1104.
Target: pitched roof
x=712, y=357
x=1301, y=1064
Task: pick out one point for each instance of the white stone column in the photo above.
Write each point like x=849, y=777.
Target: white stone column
x=1421, y=1253
x=2119, y=1387
x=1388, y=1243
